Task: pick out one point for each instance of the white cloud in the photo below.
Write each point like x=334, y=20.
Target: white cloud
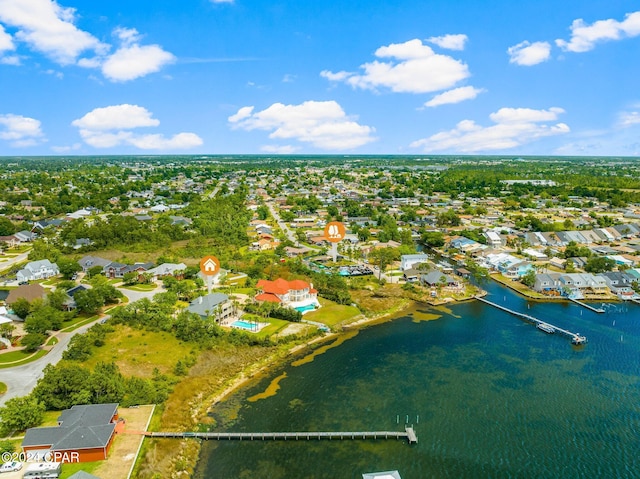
x=20, y=131
x=122, y=117
x=135, y=61
x=6, y=41
x=628, y=118
x=514, y=127
x=456, y=95
x=413, y=68
x=110, y=126
x=322, y=124
x=10, y=60
x=584, y=37
x=280, y=149
x=48, y=28
x=451, y=42
x=528, y=54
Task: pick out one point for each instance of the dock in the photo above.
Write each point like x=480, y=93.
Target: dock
x=409, y=434
x=576, y=338
x=585, y=305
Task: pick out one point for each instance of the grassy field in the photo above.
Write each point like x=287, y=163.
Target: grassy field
x=3, y=388
x=137, y=352
x=332, y=314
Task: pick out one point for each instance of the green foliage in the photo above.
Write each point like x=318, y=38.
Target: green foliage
x=6, y=330
x=89, y=301
x=6, y=226
x=33, y=341
x=68, y=267
x=6, y=446
x=448, y=218
x=599, y=264
x=94, y=271
x=42, y=249
x=433, y=239
x=274, y=310
x=529, y=279
x=574, y=251
x=21, y=413
x=21, y=307
x=44, y=319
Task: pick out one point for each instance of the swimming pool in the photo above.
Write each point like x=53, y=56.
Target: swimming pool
x=304, y=309
x=247, y=325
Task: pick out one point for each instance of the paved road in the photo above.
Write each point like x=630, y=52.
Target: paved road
x=283, y=226
x=5, y=265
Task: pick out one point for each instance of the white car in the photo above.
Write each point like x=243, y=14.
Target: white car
x=11, y=466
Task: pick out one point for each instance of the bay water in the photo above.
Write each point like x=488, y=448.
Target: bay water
x=489, y=396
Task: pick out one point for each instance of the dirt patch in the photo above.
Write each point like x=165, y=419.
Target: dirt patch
x=293, y=328
x=125, y=446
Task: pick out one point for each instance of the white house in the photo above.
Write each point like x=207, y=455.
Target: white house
x=408, y=260
x=35, y=270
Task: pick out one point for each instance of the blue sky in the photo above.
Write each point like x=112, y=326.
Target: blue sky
x=535, y=77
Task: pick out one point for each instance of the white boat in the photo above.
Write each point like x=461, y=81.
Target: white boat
x=547, y=328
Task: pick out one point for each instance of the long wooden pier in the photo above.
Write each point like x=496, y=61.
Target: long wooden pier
x=585, y=305
x=576, y=338
x=409, y=434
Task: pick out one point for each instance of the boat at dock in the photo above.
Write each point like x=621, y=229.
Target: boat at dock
x=547, y=328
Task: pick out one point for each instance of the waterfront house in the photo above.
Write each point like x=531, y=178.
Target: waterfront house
x=410, y=260
x=214, y=305
x=84, y=434
x=293, y=294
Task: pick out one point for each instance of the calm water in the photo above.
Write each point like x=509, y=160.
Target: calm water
x=489, y=396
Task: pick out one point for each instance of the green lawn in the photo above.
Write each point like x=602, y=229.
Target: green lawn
x=137, y=352
x=3, y=388
x=20, y=356
x=332, y=313
x=141, y=287
x=80, y=320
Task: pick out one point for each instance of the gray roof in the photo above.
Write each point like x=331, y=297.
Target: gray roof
x=205, y=305
x=90, y=261
x=81, y=427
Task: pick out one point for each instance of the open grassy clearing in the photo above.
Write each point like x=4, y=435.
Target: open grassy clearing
x=138, y=353
x=332, y=314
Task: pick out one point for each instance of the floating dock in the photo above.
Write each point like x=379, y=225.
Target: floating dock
x=585, y=305
x=409, y=434
x=576, y=338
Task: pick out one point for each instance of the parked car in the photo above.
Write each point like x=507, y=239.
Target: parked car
x=11, y=466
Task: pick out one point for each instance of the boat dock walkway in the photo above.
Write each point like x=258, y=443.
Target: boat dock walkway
x=409, y=434
x=584, y=305
x=576, y=338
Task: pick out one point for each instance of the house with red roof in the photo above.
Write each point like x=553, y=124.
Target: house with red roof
x=296, y=294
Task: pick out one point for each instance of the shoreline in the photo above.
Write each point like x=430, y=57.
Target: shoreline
x=276, y=361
